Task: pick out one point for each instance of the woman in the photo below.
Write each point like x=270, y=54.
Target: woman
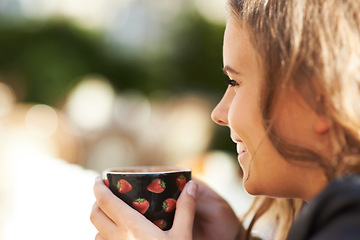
x=293, y=109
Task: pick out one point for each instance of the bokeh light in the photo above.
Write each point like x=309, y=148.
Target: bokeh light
x=90, y=104
x=41, y=121
x=212, y=10
x=7, y=99
x=132, y=111
x=189, y=128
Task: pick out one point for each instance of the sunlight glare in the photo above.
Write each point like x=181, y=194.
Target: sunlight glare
x=212, y=10
x=7, y=99
x=90, y=105
x=41, y=121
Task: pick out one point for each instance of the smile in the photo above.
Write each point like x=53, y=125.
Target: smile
x=240, y=146
x=240, y=149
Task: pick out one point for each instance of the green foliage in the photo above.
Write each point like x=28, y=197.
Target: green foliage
x=47, y=60
x=42, y=61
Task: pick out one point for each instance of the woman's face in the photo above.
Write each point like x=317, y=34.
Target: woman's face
x=266, y=172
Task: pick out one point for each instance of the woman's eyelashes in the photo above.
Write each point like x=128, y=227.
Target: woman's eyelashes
x=231, y=82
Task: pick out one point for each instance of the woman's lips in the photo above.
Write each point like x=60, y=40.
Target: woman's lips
x=241, y=149
x=240, y=146
x=242, y=156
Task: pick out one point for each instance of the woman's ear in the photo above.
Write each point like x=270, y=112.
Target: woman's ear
x=321, y=124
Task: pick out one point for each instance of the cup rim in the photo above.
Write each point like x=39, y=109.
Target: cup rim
x=125, y=170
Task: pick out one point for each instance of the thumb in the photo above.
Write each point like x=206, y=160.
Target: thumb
x=185, y=211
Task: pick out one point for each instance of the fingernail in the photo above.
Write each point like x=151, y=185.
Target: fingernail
x=191, y=188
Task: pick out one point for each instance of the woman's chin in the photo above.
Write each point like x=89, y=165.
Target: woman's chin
x=252, y=187
x=248, y=186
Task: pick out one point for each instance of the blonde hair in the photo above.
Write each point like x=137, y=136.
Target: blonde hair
x=313, y=47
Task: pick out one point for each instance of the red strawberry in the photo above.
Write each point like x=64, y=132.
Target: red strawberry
x=156, y=186
x=161, y=223
x=169, y=205
x=141, y=205
x=106, y=181
x=123, y=186
x=180, y=182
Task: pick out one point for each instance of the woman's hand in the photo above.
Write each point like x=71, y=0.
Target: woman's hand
x=115, y=220
x=214, y=218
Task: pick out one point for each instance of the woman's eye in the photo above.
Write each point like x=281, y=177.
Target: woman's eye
x=231, y=82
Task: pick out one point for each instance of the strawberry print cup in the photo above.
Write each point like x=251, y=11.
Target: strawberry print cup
x=152, y=191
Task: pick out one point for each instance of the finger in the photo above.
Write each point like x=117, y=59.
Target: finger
x=204, y=189
x=112, y=206
x=185, y=211
x=99, y=237
x=101, y=221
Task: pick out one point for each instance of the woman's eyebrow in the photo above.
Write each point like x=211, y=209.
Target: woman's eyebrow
x=227, y=69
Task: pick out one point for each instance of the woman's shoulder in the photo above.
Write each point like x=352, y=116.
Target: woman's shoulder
x=333, y=214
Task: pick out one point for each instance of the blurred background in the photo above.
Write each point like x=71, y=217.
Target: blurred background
x=88, y=85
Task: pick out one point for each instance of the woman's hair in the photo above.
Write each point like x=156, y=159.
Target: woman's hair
x=313, y=47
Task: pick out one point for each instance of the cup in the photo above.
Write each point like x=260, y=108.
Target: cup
x=151, y=190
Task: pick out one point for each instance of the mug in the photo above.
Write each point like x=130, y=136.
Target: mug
x=151, y=190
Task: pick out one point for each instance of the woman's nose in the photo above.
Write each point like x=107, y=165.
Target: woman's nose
x=220, y=113
x=217, y=116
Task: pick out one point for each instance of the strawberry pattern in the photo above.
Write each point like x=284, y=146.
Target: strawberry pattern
x=153, y=195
